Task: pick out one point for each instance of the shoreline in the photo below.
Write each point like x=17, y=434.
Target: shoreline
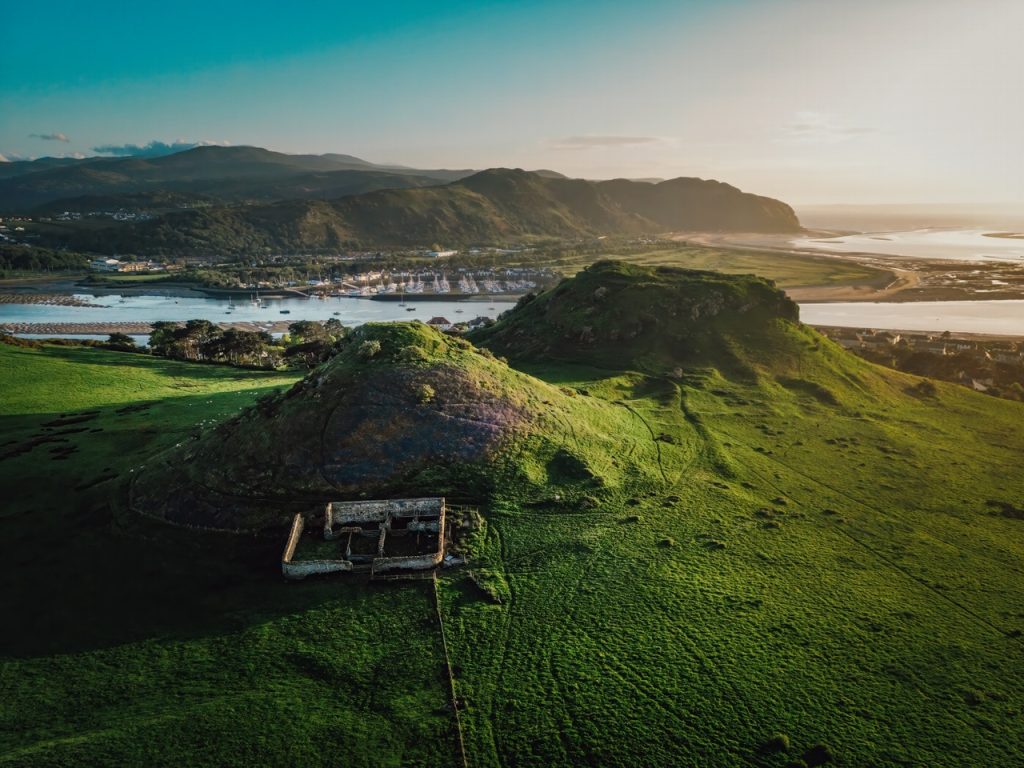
x=34, y=289
x=131, y=328
x=46, y=299
x=911, y=279
x=914, y=279
x=279, y=326
x=962, y=335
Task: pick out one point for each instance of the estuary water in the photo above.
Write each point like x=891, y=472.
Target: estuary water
x=150, y=308
x=996, y=317
x=943, y=244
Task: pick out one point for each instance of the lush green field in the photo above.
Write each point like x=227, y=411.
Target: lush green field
x=131, y=278
x=869, y=601
x=777, y=553
x=786, y=269
x=129, y=642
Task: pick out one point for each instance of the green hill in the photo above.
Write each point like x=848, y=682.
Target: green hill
x=718, y=540
x=227, y=174
x=403, y=411
x=490, y=207
x=622, y=316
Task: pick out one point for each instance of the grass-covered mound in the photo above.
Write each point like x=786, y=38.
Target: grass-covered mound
x=625, y=316
x=403, y=410
x=781, y=555
x=136, y=643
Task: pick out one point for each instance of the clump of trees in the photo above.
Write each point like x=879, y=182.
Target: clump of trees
x=306, y=345
x=310, y=343
x=28, y=258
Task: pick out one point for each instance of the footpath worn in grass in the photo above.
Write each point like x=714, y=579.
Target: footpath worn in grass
x=717, y=539
x=831, y=561
x=130, y=642
x=836, y=577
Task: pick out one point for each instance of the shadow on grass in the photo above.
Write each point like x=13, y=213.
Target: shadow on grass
x=93, y=578
x=79, y=572
x=203, y=371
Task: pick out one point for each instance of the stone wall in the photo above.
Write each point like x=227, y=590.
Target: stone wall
x=341, y=512
x=382, y=564
x=298, y=524
x=429, y=560
x=302, y=568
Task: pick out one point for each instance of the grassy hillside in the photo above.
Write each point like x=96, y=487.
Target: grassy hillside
x=834, y=556
x=627, y=317
x=764, y=552
x=820, y=563
x=495, y=206
x=133, y=643
x=403, y=410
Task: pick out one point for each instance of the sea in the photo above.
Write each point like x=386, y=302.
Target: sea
x=938, y=243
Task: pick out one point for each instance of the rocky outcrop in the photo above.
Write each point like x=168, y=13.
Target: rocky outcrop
x=620, y=316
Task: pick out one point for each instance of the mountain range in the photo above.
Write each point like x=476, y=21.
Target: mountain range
x=246, y=200
x=223, y=174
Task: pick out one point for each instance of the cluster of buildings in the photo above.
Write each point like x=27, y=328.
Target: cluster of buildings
x=116, y=265
x=1009, y=352
x=9, y=226
x=512, y=281
x=443, y=324
x=119, y=215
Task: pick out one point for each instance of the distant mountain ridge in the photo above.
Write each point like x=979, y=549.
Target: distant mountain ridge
x=237, y=174
x=490, y=207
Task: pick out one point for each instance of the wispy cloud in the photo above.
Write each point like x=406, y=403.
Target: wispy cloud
x=154, y=148
x=591, y=142
x=819, y=128
x=58, y=136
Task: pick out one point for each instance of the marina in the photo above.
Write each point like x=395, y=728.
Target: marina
x=97, y=316
x=101, y=315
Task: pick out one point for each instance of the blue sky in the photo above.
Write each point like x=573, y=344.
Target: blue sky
x=870, y=101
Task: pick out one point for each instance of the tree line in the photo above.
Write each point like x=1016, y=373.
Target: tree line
x=306, y=344
x=28, y=258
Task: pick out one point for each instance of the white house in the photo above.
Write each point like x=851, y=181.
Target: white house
x=105, y=265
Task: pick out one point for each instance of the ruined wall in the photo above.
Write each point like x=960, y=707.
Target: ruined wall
x=300, y=569
x=341, y=512
x=382, y=564
x=417, y=507
x=298, y=524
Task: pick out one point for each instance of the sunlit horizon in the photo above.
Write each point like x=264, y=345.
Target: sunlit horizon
x=868, y=103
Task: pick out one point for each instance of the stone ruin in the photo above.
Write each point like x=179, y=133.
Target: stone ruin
x=369, y=536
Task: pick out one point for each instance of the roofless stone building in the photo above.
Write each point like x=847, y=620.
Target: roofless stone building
x=369, y=536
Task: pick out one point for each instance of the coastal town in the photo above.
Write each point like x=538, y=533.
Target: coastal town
x=990, y=364
x=447, y=283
